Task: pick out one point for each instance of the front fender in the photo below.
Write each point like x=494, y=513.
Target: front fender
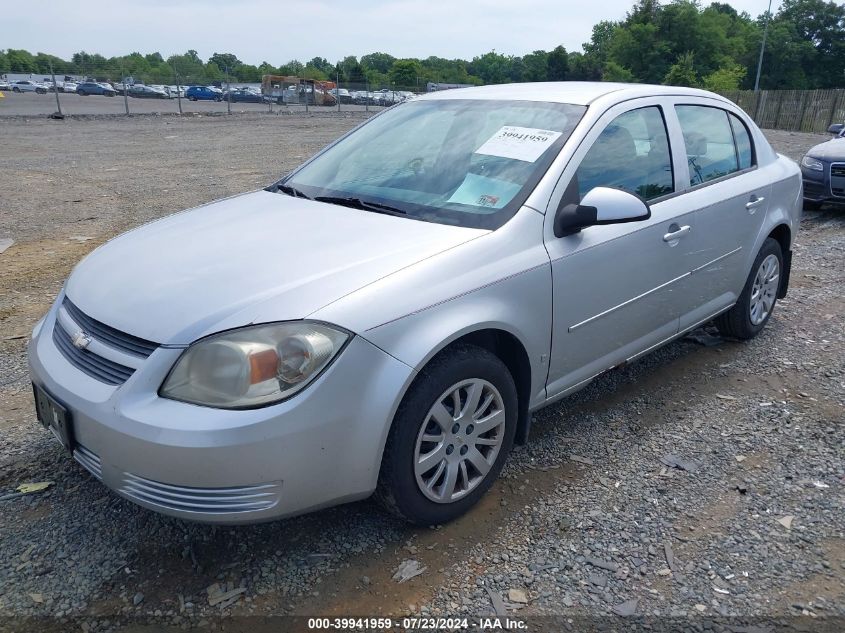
x=520, y=305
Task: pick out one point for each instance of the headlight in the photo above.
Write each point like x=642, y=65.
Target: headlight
x=253, y=366
x=812, y=163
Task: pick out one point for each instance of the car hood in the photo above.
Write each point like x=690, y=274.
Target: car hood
x=256, y=257
x=833, y=149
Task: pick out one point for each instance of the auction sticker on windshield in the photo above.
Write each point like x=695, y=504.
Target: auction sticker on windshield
x=520, y=143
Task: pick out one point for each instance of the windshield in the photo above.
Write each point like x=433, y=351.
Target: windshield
x=466, y=162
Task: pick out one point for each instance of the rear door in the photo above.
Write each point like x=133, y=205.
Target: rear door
x=730, y=196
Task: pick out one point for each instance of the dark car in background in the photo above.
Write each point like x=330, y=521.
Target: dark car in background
x=140, y=91
x=243, y=95
x=823, y=171
x=203, y=93
x=86, y=88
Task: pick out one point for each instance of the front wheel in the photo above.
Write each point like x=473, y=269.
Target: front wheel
x=759, y=295
x=450, y=437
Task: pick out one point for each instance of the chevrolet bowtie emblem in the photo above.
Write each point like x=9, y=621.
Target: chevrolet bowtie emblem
x=80, y=340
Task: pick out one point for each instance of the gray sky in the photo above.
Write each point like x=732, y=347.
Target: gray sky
x=277, y=31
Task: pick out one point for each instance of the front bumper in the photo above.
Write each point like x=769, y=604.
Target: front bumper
x=320, y=448
x=825, y=185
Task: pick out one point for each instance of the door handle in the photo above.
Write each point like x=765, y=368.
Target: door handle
x=754, y=203
x=677, y=234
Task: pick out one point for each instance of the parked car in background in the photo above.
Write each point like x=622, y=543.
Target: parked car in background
x=448, y=267
x=342, y=95
x=27, y=85
x=69, y=86
x=141, y=91
x=203, y=93
x=823, y=171
x=245, y=95
x=5, y=85
x=95, y=88
x=362, y=97
x=163, y=89
x=176, y=91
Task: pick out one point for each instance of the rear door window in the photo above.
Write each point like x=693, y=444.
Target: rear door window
x=742, y=138
x=709, y=140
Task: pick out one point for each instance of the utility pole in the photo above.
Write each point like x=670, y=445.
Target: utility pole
x=56, y=90
x=763, y=47
x=178, y=91
x=337, y=89
x=228, y=93
x=125, y=96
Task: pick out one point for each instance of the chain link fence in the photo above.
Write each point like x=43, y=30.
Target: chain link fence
x=113, y=91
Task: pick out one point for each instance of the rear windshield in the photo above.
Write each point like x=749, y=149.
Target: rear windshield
x=455, y=161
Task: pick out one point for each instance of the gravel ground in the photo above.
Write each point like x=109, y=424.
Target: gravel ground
x=588, y=521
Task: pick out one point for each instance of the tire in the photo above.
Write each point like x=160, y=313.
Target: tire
x=466, y=369
x=82, y=93
x=41, y=91
x=16, y=89
x=741, y=321
x=192, y=98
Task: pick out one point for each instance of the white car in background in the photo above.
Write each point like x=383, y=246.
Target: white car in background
x=27, y=85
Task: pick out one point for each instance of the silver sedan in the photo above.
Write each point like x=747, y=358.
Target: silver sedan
x=386, y=317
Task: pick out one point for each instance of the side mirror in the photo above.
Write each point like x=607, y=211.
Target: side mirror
x=836, y=129
x=601, y=205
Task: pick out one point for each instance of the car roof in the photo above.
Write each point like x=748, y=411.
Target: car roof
x=575, y=92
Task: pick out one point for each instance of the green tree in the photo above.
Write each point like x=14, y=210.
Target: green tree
x=682, y=72
x=557, y=64
x=536, y=66
x=404, y=73
x=224, y=61
x=379, y=62
x=614, y=72
x=20, y=61
x=492, y=67
x=724, y=79
x=321, y=64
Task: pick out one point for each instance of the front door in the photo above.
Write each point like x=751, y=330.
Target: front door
x=619, y=289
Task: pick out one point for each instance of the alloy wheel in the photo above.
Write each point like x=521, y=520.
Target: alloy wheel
x=764, y=290
x=459, y=440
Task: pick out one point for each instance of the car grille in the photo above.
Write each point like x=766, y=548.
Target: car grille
x=96, y=366
x=200, y=500
x=108, y=335
x=837, y=180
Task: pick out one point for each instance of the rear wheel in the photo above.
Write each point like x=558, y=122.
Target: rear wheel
x=450, y=437
x=759, y=295
x=16, y=89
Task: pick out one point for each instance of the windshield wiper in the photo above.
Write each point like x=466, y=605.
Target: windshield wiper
x=291, y=191
x=358, y=203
